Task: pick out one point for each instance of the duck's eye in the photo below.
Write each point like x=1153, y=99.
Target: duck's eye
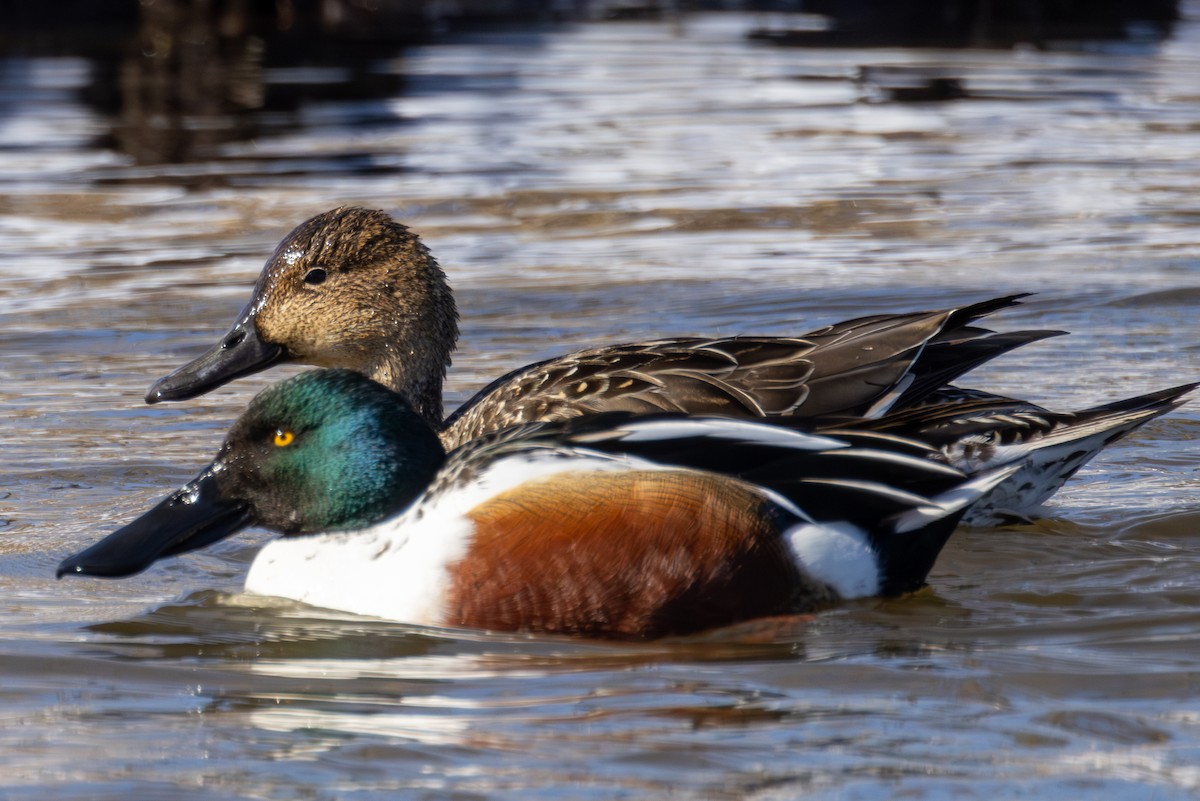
x=314, y=276
x=283, y=438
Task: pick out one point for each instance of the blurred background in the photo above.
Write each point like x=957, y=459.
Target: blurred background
x=591, y=172
x=174, y=82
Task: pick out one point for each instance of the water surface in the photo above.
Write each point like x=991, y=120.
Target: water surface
x=587, y=184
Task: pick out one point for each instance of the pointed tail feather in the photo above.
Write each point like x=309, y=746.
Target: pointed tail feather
x=1168, y=399
x=983, y=308
x=1049, y=460
x=946, y=359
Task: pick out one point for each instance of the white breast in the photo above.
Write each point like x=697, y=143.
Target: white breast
x=393, y=570
x=397, y=569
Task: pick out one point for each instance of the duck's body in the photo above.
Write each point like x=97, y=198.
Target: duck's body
x=613, y=526
x=352, y=288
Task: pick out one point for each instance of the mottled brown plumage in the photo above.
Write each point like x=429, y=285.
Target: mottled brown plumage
x=839, y=372
x=353, y=288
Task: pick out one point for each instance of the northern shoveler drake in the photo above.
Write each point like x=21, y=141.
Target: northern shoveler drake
x=609, y=526
x=353, y=288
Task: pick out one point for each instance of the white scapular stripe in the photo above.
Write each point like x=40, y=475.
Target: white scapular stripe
x=735, y=430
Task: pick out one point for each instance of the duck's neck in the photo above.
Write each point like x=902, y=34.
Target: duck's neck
x=417, y=375
x=396, y=458
x=414, y=358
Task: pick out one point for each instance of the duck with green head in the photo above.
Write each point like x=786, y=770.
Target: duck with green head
x=611, y=525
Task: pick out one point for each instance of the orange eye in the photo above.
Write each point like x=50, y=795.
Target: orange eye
x=284, y=438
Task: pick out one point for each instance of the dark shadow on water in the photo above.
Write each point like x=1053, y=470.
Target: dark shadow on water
x=213, y=626
x=973, y=23
x=180, y=80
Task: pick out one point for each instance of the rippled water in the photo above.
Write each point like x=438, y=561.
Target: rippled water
x=608, y=182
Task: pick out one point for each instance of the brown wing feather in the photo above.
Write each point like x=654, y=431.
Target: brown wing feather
x=840, y=370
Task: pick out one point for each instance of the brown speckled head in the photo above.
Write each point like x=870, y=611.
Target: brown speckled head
x=353, y=288
x=349, y=288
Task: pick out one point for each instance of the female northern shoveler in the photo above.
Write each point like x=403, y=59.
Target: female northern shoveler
x=611, y=525
x=353, y=288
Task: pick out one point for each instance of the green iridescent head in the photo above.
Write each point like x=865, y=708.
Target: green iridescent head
x=326, y=450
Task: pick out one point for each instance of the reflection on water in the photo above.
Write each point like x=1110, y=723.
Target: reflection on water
x=951, y=23
x=583, y=184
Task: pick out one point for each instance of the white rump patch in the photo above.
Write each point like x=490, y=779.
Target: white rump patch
x=838, y=554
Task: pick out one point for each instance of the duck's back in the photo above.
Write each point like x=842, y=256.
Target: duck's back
x=857, y=368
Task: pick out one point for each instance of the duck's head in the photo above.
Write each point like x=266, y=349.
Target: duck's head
x=349, y=288
x=323, y=451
